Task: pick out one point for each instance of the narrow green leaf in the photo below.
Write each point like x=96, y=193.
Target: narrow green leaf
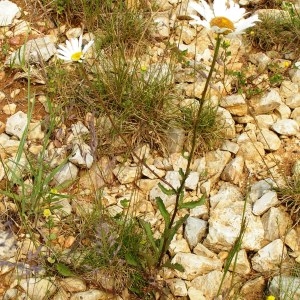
x=168, y=192
x=165, y=214
x=131, y=260
x=64, y=270
x=181, y=173
x=193, y=204
x=175, y=266
x=147, y=227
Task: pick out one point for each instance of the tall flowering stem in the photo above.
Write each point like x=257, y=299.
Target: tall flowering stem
x=180, y=190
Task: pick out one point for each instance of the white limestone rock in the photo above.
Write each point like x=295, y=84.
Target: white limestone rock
x=296, y=115
x=195, y=294
x=156, y=192
x=288, y=88
x=216, y=162
x=195, y=265
x=73, y=284
x=226, y=122
x=8, y=11
x=161, y=27
x=265, y=103
x=79, y=129
x=177, y=287
x=33, y=51
x=176, y=138
x=147, y=173
x=203, y=251
x=74, y=32
x=260, y=59
x=227, y=191
x=276, y=222
x=252, y=287
x=38, y=288
x=35, y=132
x=230, y=146
x=194, y=231
x=8, y=245
x=282, y=111
x=269, y=139
x=261, y=205
x=242, y=264
x=265, y=121
x=293, y=101
x=141, y=153
x=127, y=174
x=91, y=295
x=259, y=188
x=285, y=287
x=291, y=239
x=234, y=170
x=209, y=283
x=180, y=245
x=68, y=172
x=225, y=223
x=16, y=124
x=287, y=127
x=15, y=167
x=252, y=151
x=62, y=207
x=269, y=257
x=186, y=33
x=82, y=155
x=235, y=104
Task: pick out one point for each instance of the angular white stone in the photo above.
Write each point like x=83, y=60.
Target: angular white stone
x=68, y=172
x=269, y=257
x=227, y=191
x=194, y=230
x=146, y=172
x=8, y=11
x=179, y=246
x=35, y=131
x=234, y=170
x=242, y=264
x=276, y=223
x=261, y=205
x=73, y=284
x=209, y=284
x=16, y=124
x=286, y=127
x=127, y=174
x=226, y=122
x=79, y=129
x=34, y=51
x=177, y=287
x=235, y=104
x=286, y=287
x=195, y=265
x=260, y=188
x=252, y=151
x=288, y=88
x=38, y=288
x=225, y=223
x=195, y=294
x=293, y=101
x=265, y=103
x=82, y=156
x=91, y=295
x=8, y=246
x=269, y=139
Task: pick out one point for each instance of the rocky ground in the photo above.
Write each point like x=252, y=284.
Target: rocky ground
x=259, y=151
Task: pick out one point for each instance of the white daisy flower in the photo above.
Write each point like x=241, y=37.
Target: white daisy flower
x=73, y=50
x=224, y=16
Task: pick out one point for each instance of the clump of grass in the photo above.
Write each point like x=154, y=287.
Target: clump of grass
x=278, y=31
x=117, y=256
x=289, y=195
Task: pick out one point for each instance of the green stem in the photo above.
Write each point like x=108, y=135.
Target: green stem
x=193, y=146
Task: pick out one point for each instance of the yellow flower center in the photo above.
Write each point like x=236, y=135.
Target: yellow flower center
x=222, y=22
x=76, y=56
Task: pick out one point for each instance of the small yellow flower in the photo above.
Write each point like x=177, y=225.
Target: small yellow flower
x=143, y=68
x=252, y=32
x=51, y=260
x=271, y=297
x=54, y=191
x=47, y=213
x=287, y=64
